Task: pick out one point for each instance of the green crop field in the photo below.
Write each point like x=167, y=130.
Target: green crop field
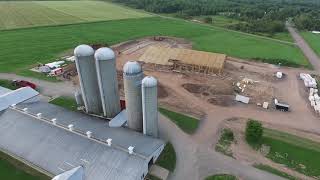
x=313, y=40
x=18, y=14
x=274, y=171
x=225, y=22
x=22, y=48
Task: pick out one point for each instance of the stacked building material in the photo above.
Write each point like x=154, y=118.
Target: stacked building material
x=314, y=99
x=309, y=81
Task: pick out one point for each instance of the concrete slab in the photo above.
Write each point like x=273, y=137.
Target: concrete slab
x=159, y=172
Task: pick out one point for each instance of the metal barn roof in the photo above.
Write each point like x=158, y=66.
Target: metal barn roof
x=123, y=137
x=119, y=120
x=4, y=90
x=57, y=150
x=76, y=173
x=16, y=96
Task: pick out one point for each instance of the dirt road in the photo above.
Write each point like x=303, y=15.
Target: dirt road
x=198, y=149
x=195, y=161
x=305, y=48
x=46, y=88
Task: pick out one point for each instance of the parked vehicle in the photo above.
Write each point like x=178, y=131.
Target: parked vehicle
x=281, y=106
x=56, y=72
x=22, y=83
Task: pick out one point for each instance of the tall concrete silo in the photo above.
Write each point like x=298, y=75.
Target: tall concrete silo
x=107, y=80
x=87, y=73
x=150, y=106
x=132, y=77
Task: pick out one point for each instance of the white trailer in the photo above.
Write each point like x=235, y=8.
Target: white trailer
x=242, y=99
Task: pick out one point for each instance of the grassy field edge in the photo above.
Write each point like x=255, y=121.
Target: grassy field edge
x=274, y=171
x=25, y=167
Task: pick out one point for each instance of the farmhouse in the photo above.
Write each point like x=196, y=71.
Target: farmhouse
x=184, y=59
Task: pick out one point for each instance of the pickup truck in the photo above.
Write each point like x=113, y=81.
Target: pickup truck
x=22, y=83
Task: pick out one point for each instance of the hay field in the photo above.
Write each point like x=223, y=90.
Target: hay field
x=20, y=14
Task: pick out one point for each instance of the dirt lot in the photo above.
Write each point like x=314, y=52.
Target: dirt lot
x=197, y=94
x=215, y=89
x=204, y=95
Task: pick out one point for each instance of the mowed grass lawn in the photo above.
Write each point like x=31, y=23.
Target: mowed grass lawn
x=274, y=171
x=167, y=158
x=19, y=14
x=24, y=47
x=221, y=177
x=313, y=40
x=300, y=154
x=187, y=123
x=12, y=169
x=65, y=102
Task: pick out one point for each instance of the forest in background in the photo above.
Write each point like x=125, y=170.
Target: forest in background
x=255, y=16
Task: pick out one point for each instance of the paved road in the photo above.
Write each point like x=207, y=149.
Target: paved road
x=46, y=88
x=305, y=48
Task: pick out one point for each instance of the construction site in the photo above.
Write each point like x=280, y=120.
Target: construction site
x=207, y=86
x=213, y=77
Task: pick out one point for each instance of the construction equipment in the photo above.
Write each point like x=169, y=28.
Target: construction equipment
x=69, y=71
x=281, y=106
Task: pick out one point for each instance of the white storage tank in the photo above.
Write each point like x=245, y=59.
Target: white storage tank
x=107, y=80
x=86, y=68
x=150, y=106
x=132, y=77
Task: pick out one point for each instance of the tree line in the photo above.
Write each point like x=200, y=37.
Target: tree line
x=262, y=16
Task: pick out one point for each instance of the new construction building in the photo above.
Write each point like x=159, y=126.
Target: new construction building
x=184, y=59
x=79, y=146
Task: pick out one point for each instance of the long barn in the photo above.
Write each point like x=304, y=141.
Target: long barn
x=185, y=59
x=39, y=134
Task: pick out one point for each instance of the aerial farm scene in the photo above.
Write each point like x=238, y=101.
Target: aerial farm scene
x=160, y=90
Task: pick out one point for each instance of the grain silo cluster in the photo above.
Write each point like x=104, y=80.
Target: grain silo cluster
x=100, y=94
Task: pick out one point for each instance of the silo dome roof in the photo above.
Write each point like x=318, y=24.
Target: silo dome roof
x=132, y=67
x=149, y=81
x=83, y=50
x=104, y=53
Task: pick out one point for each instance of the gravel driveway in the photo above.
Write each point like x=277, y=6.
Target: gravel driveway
x=305, y=48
